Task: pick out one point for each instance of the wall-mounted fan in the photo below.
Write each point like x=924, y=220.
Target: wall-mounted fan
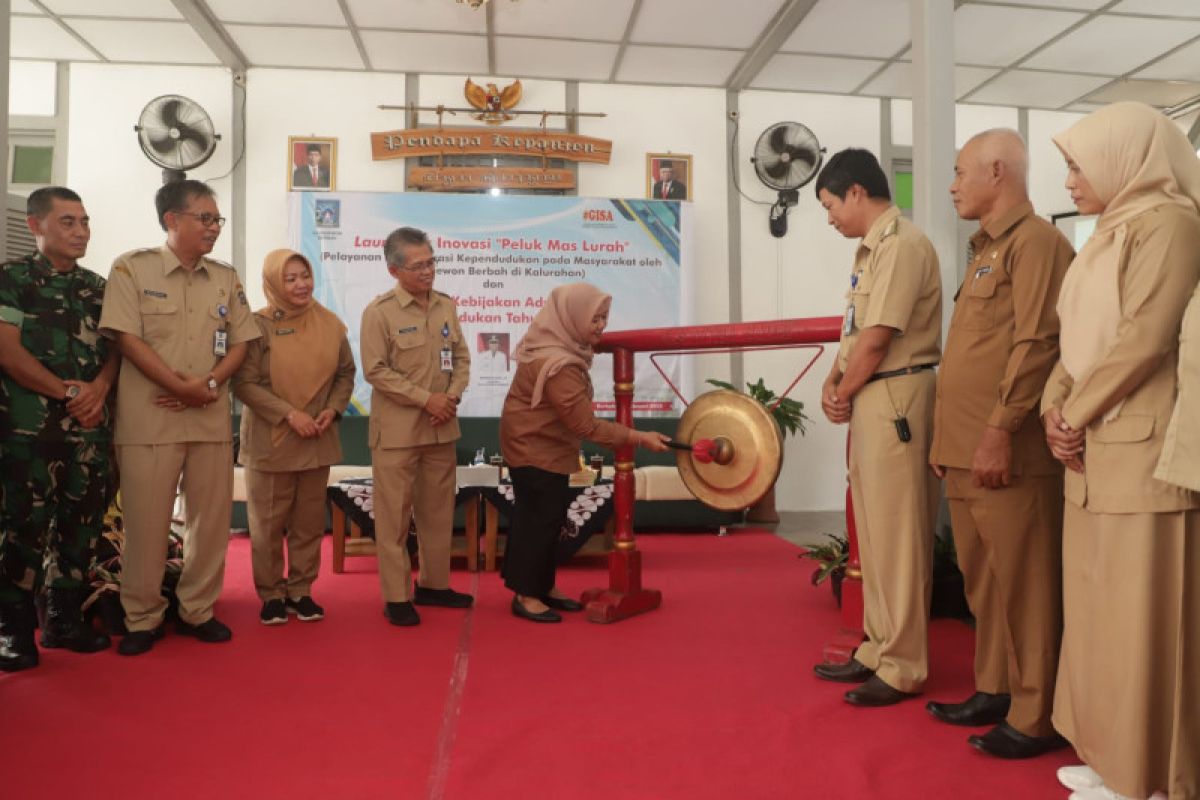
x=786, y=156
x=176, y=134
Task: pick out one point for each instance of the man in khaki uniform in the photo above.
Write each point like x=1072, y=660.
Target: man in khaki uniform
x=181, y=323
x=1003, y=486
x=883, y=386
x=415, y=358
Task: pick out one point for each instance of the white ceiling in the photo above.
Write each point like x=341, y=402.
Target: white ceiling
x=1033, y=53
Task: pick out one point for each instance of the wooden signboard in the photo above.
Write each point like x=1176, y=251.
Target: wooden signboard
x=477, y=141
x=454, y=179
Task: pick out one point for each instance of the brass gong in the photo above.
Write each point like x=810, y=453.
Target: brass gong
x=748, y=441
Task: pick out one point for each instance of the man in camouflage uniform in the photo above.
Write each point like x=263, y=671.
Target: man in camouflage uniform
x=56, y=476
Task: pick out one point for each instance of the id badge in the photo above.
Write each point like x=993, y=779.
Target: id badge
x=848, y=325
x=220, y=343
x=447, y=359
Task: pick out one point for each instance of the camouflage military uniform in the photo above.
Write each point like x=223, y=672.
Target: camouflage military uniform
x=56, y=477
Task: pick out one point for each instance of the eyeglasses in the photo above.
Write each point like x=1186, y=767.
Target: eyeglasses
x=205, y=219
x=428, y=265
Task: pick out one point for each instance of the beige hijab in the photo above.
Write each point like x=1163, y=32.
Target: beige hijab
x=305, y=340
x=560, y=332
x=1136, y=160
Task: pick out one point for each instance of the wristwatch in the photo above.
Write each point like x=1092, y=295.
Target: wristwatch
x=72, y=393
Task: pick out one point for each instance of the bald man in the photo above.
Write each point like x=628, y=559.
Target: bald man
x=1003, y=486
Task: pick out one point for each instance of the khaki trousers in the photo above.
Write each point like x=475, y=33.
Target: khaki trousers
x=895, y=506
x=291, y=506
x=413, y=482
x=1128, y=695
x=150, y=476
x=1009, y=544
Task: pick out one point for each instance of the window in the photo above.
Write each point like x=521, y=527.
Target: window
x=32, y=165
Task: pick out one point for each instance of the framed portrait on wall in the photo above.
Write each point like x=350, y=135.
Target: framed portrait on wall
x=312, y=164
x=668, y=176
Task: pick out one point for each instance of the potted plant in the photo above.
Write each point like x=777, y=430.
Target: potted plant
x=831, y=558
x=790, y=417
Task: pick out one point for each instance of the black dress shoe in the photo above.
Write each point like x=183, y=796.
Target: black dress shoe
x=980, y=708
x=519, y=610
x=1005, y=741
x=875, y=692
x=212, y=630
x=442, y=597
x=402, y=614
x=852, y=672
x=562, y=603
x=135, y=643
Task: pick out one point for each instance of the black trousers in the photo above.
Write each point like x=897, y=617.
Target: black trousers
x=540, y=503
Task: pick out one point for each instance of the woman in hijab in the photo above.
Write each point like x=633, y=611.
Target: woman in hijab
x=295, y=384
x=547, y=412
x=1128, y=692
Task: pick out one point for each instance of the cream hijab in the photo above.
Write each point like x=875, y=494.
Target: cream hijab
x=305, y=340
x=1136, y=160
x=560, y=332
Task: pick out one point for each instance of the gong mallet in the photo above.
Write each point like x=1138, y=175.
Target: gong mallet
x=706, y=451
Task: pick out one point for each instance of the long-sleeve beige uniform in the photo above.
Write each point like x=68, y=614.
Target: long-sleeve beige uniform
x=1002, y=344
x=285, y=482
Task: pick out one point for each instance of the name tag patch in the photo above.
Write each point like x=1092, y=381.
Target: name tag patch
x=153, y=293
x=284, y=331
x=409, y=329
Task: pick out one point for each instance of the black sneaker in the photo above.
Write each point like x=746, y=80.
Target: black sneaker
x=135, y=643
x=273, y=612
x=442, y=597
x=305, y=609
x=401, y=614
x=211, y=630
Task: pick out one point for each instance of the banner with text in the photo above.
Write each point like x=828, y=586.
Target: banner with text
x=499, y=257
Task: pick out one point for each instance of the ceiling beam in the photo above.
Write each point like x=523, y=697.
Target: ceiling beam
x=70, y=31
x=781, y=26
x=490, y=18
x=212, y=33
x=633, y=15
x=354, y=32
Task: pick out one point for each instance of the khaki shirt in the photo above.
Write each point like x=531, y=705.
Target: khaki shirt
x=176, y=312
x=895, y=283
x=265, y=410
x=548, y=436
x=1003, y=342
x=401, y=345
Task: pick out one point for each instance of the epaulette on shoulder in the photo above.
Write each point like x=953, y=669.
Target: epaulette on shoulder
x=892, y=229
x=137, y=251
x=220, y=263
x=383, y=298
x=442, y=294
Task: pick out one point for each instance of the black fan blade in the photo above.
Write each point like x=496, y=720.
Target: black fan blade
x=169, y=113
x=779, y=140
x=161, y=144
x=778, y=170
x=190, y=134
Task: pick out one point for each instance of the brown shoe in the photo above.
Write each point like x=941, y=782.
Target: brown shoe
x=851, y=672
x=875, y=692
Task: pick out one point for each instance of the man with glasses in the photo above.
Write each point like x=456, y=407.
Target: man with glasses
x=181, y=323
x=418, y=363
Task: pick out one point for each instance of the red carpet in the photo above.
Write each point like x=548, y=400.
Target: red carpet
x=711, y=696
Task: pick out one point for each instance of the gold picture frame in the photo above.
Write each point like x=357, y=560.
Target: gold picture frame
x=680, y=185
x=301, y=169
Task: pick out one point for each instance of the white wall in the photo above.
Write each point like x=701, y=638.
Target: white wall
x=804, y=274
x=1047, y=169
x=695, y=126
x=31, y=86
x=106, y=166
x=282, y=103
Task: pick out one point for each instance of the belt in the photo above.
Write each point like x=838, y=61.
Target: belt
x=895, y=373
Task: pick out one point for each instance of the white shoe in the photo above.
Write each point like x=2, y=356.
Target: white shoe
x=1079, y=777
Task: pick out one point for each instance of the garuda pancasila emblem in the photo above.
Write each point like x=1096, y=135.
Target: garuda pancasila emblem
x=492, y=101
